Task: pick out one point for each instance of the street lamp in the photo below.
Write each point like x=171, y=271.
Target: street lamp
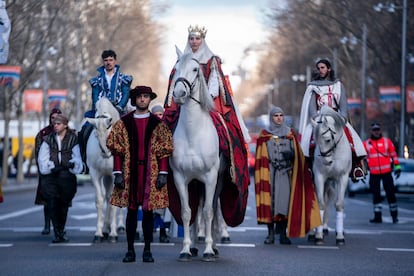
x=295, y=79
x=391, y=7
x=353, y=41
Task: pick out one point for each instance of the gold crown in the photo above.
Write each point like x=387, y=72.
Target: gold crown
x=198, y=31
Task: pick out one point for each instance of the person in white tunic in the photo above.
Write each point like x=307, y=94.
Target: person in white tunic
x=325, y=89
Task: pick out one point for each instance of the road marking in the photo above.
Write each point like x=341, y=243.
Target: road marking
x=6, y=244
x=236, y=245
x=21, y=212
x=70, y=244
x=396, y=249
x=317, y=247
x=218, y=244
x=82, y=217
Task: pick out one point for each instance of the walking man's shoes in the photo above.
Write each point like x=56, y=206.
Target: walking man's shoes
x=129, y=257
x=147, y=257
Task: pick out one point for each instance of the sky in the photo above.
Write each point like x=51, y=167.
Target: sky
x=232, y=26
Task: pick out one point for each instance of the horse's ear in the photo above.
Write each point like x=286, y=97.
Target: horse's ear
x=178, y=51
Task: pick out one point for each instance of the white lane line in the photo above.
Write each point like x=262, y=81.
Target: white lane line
x=317, y=247
x=21, y=212
x=236, y=245
x=82, y=217
x=396, y=249
x=70, y=244
x=6, y=244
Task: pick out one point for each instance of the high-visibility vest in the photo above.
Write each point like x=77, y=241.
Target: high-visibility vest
x=380, y=155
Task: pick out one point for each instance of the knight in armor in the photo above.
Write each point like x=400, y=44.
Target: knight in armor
x=110, y=83
x=59, y=161
x=325, y=89
x=283, y=183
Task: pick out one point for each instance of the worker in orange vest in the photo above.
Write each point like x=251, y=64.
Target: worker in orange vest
x=382, y=159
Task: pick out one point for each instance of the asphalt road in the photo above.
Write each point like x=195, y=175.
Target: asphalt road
x=370, y=249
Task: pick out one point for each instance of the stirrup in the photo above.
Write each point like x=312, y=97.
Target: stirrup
x=358, y=174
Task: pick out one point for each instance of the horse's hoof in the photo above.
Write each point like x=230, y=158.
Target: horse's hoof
x=113, y=239
x=121, y=230
x=209, y=257
x=97, y=239
x=184, y=257
x=340, y=241
x=311, y=238
x=201, y=239
x=105, y=236
x=325, y=231
x=225, y=240
x=319, y=241
x=216, y=253
x=194, y=251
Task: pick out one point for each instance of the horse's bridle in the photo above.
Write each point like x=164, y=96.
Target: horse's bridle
x=335, y=143
x=103, y=151
x=190, y=85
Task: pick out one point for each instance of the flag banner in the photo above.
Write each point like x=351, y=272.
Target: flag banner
x=9, y=76
x=57, y=98
x=410, y=98
x=32, y=100
x=373, y=108
x=390, y=99
x=389, y=94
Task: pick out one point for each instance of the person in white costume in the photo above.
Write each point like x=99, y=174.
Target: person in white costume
x=325, y=89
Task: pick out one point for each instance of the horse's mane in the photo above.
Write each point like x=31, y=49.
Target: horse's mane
x=205, y=98
x=327, y=111
x=105, y=107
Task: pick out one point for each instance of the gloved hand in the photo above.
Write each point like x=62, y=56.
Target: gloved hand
x=161, y=180
x=397, y=173
x=119, y=181
x=57, y=169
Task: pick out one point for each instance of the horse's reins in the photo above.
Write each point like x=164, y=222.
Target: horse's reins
x=190, y=85
x=104, y=153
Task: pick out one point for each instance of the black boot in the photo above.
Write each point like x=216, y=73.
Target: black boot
x=163, y=235
x=46, y=229
x=377, y=218
x=283, y=239
x=270, y=239
x=394, y=215
x=129, y=257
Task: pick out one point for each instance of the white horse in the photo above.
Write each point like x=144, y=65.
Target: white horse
x=100, y=162
x=331, y=167
x=196, y=150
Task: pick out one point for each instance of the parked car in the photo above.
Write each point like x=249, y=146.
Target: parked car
x=404, y=184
